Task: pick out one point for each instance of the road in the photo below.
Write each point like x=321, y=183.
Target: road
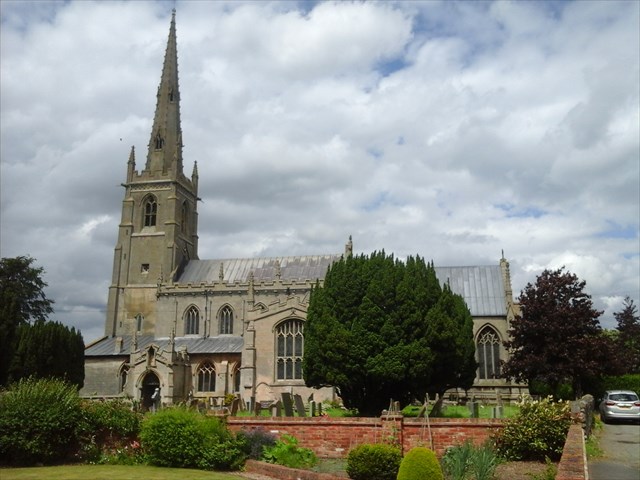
x=621, y=459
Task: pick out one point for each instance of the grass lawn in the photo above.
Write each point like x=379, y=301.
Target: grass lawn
x=111, y=472
x=461, y=411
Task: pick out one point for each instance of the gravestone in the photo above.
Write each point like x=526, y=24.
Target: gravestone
x=313, y=408
x=497, y=411
x=287, y=404
x=474, y=408
x=235, y=405
x=320, y=409
x=299, y=405
x=276, y=409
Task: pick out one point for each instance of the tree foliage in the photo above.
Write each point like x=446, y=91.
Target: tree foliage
x=628, y=341
x=379, y=329
x=557, y=338
x=48, y=349
x=22, y=301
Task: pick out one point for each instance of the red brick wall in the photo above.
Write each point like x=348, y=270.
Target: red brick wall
x=333, y=437
x=573, y=464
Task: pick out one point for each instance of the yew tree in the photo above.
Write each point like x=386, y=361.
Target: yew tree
x=380, y=329
x=556, y=338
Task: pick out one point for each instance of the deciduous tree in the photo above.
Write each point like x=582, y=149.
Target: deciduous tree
x=22, y=301
x=557, y=337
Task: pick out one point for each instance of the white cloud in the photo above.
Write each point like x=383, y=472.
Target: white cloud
x=452, y=130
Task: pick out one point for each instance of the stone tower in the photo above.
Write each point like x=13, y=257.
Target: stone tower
x=158, y=231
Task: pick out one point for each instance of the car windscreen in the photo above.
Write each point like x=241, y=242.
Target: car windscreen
x=623, y=397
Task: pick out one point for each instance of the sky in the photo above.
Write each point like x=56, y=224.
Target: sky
x=452, y=130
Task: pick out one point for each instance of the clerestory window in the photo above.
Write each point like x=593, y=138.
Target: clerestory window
x=206, y=378
x=192, y=321
x=226, y=320
x=289, y=350
x=488, y=349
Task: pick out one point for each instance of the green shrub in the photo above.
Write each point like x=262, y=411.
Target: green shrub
x=226, y=455
x=179, y=437
x=420, y=463
x=111, y=421
x=287, y=452
x=39, y=422
x=253, y=442
x=373, y=462
x=538, y=431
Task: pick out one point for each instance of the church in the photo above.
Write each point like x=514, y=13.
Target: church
x=207, y=329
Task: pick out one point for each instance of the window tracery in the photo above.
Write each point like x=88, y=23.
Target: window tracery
x=289, y=350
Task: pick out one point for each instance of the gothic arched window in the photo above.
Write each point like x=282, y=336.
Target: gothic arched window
x=122, y=377
x=184, y=217
x=289, y=350
x=206, y=378
x=150, y=211
x=192, y=321
x=226, y=320
x=139, y=322
x=488, y=349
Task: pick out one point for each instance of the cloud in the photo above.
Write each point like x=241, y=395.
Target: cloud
x=454, y=130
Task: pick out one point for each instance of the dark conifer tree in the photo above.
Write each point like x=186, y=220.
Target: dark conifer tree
x=367, y=332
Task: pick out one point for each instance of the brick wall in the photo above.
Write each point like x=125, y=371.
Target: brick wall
x=573, y=464
x=333, y=437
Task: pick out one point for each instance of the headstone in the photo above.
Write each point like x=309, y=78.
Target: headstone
x=474, y=408
x=234, y=406
x=287, y=404
x=313, y=407
x=276, y=409
x=302, y=412
x=320, y=409
x=497, y=411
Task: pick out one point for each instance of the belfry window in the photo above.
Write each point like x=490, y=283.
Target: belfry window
x=289, y=350
x=183, y=217
x=488, y=349
x=206, y=378
x=150, y=212
x=192, y=321
x=226, y=320
x=159, y=141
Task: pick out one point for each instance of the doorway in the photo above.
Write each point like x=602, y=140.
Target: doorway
x=149, y=384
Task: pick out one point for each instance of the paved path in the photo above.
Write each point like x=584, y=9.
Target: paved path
x=621, y=459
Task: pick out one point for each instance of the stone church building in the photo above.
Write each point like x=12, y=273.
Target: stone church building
x=203, y=329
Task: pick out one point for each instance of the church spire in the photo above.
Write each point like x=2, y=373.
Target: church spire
x=165, y=145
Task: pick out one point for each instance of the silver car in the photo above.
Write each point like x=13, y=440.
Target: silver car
x=620, y=405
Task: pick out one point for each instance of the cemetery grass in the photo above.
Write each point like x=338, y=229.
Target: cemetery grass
x=111, y=472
